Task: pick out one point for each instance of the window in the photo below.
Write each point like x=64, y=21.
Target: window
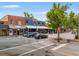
x=38, y=23
x=26, y=21
x=43, y=23
x=19, y=22
x=10, y=21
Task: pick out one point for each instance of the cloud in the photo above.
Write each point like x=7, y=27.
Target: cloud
x=42, y=12
x=10, y=6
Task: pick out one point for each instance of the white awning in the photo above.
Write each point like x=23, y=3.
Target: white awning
x=39, y=27
x=28, y=26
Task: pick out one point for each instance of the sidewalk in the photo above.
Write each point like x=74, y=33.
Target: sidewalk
x=64, y=35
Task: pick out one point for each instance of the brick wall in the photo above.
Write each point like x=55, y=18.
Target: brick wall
x=5, y=20
x=13, y=20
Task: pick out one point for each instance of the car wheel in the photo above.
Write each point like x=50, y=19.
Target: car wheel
x=31, y=36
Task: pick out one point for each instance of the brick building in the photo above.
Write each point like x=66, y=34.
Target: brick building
x=3, y=29
x=18, y=25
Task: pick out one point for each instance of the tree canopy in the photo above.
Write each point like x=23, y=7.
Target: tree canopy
x=56, y=15
x=28, y=15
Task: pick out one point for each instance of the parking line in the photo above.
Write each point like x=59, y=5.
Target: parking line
x=35, y=49
x=59, y=46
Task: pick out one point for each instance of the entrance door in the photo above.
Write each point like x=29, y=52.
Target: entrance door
x=18, y=32
x=4, y=32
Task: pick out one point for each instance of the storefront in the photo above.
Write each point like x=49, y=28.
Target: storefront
x=40, y=29
x=16, y=30
x=3, y=30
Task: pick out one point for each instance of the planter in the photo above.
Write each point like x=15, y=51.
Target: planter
x=58, y=39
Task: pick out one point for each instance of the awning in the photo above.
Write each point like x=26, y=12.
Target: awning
x=28, y=26
x=17, y=27
x=39, y=27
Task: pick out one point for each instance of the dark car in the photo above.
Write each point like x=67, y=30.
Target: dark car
x=25, y=34
x=31, y=34
x=40, y=36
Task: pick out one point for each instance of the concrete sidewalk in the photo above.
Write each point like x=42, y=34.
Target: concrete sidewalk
x=67, y=35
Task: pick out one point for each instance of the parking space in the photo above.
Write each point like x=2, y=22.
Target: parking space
x=23, y=46
x=28, y=49
x=12, y=41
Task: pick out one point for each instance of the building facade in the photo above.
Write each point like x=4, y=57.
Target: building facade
x=39, y=26
x=18, y=25
x=3, y=29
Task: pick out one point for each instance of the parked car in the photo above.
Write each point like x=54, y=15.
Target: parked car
x=31, y=34
x=74, y=31
x=25, y=34
x=40, y=36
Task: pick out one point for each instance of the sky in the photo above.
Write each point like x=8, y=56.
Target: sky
x=38, y=9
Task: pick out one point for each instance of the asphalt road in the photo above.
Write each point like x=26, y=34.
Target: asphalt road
x=42, y=52
x=15, y=41
x=26, y=49
x=12, y=41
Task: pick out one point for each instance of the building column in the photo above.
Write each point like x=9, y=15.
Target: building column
x=28, y=29
x=48, y=31
x=10, y=31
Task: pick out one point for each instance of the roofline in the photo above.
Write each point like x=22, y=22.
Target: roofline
x=3, y=17
x=10, y=15
x=17, y=16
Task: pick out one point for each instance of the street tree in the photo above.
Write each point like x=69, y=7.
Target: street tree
x=28, y=15
x=76, y=24
x=31, y=17
x=72, y=20
x=56, y=16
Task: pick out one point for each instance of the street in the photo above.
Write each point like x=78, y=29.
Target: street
x=19, y=45
x=12, y=41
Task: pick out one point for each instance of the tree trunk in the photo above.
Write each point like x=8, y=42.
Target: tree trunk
x=58, y=35
x=77, y=35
